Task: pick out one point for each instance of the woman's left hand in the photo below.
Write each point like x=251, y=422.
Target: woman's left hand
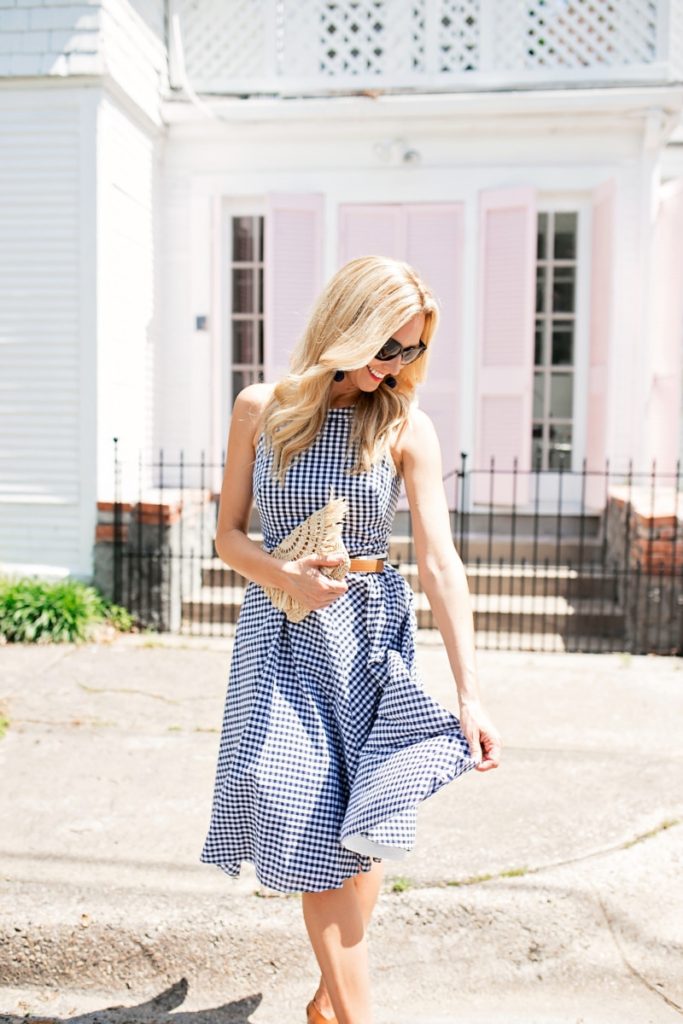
x=482, y=735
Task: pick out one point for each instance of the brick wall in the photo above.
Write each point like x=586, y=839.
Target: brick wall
x=645, y=546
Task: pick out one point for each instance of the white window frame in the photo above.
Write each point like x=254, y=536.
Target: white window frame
x=245, y=207
x=579, y=203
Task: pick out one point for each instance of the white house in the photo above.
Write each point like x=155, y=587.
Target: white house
x=179, y=179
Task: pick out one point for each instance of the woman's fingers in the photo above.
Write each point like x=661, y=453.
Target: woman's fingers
x=482, y=736
x=491, y=749
x=313, y=588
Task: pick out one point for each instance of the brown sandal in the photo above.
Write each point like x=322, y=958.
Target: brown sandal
x=314, y=1016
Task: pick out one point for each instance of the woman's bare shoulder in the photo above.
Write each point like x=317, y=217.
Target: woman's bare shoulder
x=250, y=405
x=417, y=430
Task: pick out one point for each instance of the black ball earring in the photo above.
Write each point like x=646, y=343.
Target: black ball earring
x=390, y=381
x=339, y=375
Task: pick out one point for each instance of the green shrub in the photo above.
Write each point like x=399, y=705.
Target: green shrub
x=33, y=611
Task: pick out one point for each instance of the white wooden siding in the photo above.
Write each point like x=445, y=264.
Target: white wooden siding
x=124, y=39
x=125, y=289
x=40, y=334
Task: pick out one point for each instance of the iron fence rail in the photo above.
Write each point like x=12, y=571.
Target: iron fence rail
x=547, y=573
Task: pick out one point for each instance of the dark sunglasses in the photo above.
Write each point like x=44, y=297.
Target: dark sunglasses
x=392, y=348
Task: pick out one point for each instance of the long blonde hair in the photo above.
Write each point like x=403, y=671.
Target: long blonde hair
x=363, y=304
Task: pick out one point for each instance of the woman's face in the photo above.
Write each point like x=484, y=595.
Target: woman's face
x=370, y=377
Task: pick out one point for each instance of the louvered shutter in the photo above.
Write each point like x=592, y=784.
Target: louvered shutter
x=666, y=336
x=434, y=246
x=429, y=237
x=293, y=261
x=366, y=230
x=505, y=353
x=602, y=269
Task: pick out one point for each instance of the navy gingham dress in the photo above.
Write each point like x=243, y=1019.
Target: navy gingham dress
x=329, y=741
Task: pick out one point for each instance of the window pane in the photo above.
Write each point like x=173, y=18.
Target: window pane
x=565, y=236
x=243, y=294
x=563, y=343
x=240, y=379
x=560, y=450
x=540, y=289
x=539, y=384
x=260, y=341
x=538, y=343
x=259, y=255
x=260, y=290
x=563, y=290
x=243, y=247
x=542, y=237
x=243, y=341
x=537, y=446
x=561, y=391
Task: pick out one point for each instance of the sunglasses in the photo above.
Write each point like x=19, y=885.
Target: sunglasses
x=392, y=348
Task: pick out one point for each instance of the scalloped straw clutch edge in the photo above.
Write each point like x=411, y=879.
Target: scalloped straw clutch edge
x=319, y=534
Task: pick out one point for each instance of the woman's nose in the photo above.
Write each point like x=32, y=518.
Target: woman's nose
x=393, y=365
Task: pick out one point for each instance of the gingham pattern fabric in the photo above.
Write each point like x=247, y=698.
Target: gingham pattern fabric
x=329, y=741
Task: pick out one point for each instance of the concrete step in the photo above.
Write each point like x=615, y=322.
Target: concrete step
x=542, y=613
x=501, y=523
x=570, y=551
x=480, y=547
x=483, y=579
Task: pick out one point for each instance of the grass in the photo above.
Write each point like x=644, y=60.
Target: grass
x=472, y=880
x=400, y=884
x=36, y=611
x=508, y=873
x=663, y=825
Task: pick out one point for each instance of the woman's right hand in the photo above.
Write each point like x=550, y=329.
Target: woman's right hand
x=310, y=587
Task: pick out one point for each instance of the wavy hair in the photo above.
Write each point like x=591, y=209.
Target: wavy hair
x=361, y=307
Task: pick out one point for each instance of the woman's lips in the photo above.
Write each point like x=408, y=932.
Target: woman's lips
x=375, y=376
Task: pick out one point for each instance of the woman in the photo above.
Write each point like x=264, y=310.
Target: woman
x=329, y=740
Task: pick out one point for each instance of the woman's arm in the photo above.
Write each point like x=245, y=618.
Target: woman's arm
x=299, y=577
x=443, y=578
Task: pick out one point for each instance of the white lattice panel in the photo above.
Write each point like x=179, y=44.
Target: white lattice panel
x=458, y=35
x=223, y=39
x=676, y=39
x=272, y=45
x=547, y=34
x=366, y=37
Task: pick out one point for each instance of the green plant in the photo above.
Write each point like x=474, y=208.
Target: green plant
x=4, y=725
x=33, y=611
x=400, y=884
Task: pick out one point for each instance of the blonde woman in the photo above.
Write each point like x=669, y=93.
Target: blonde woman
x=329, y=739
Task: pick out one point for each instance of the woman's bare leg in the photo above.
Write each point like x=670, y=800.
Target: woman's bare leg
x=367, y=885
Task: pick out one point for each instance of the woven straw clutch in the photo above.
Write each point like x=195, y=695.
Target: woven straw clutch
x=320, y=534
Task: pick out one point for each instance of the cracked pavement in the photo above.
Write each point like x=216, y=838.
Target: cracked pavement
x=548, y=890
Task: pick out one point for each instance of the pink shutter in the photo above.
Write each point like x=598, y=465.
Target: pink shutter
x=293, y=274
x=505, y=350
x=371, y=231
x=434, y=246
x=666, y=336
x=602, y=264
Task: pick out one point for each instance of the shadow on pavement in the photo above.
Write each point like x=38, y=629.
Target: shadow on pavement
x=154, y=1011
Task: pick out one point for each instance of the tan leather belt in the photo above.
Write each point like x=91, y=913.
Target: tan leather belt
x=366, y=565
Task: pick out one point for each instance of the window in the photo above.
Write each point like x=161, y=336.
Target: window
x=246, y=316
x=554, y=345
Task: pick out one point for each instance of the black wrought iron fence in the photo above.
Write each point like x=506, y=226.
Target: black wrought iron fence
x=556, y=560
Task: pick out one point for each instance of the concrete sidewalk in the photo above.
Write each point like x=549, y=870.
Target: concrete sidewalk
x=546, y=891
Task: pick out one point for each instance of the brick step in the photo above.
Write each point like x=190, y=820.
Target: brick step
x=483, y=579
x=494, y=612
